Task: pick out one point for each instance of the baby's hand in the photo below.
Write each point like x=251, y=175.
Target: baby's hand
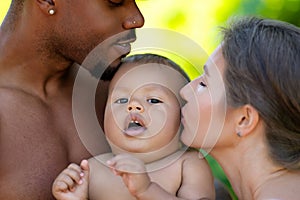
x=72, y=182
x=133, y=172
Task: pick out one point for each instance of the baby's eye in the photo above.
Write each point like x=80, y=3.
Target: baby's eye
x=121, y=101
x=154, y=101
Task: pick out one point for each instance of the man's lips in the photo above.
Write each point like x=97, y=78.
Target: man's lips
x=122, y=42
x=123, y=47
x=126, y=42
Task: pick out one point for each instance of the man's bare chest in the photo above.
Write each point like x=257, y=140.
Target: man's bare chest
x=38, y=130
x=34, y=146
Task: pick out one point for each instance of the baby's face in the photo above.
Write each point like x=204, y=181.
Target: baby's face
x=142, y=113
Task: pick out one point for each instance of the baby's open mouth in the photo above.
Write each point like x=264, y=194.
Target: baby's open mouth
x=134, y=128
x=134, y=124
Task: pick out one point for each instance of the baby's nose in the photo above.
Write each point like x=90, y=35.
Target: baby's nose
x=135, y=106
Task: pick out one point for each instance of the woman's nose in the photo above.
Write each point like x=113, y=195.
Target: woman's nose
x=187, y=91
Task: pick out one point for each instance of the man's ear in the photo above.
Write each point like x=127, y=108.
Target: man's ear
x=46, y=5
x=248, y=118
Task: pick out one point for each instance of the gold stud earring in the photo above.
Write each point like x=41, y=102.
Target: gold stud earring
x=51, y=11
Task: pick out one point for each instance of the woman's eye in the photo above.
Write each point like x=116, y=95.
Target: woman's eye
x=202, y=84
x=154, y=101
x=121, y=101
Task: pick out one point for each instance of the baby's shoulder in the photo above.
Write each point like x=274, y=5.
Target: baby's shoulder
x=194, y=158
x=192, y=154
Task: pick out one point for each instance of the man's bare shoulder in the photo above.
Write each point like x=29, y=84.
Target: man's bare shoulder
x=15, y=95
x=29, y=144
x=18, y=107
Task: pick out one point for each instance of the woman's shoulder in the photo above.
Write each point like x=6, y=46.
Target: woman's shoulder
x=281, y=187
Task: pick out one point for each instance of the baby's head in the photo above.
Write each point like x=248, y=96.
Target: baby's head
x=143, y=109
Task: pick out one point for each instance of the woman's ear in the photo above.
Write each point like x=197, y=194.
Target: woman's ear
x=47, y=6
x=248, y=118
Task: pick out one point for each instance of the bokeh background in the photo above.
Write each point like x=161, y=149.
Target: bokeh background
x=199, y=20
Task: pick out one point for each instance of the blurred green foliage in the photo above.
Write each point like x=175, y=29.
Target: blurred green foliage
x=200, y=19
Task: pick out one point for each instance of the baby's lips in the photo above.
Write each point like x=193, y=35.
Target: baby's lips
x=134, y=117
x=134, y=131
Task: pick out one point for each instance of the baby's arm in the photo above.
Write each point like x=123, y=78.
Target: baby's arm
x=72, y=182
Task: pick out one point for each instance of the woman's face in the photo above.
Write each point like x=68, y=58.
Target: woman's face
x=142, y=113
x=204, y=114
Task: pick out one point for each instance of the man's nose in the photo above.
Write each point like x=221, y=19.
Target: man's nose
x=136, y=19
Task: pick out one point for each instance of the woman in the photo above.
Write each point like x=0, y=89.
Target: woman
x=249, y=102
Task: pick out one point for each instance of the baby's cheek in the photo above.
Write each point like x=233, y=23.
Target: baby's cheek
x=158, y=119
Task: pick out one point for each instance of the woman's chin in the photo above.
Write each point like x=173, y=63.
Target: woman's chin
x=186, y=139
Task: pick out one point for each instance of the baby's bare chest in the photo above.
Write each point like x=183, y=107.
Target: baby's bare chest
x=105, y=185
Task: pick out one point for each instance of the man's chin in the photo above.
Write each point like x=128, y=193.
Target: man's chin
x=116, y=63
x=109, y=72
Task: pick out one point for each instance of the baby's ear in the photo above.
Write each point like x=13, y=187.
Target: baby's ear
x=248, y=118
x=46, y=5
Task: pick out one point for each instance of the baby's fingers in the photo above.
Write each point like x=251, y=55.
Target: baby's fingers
x=63, y=183
x=73, y=174
x=59, y=186
x=68, y=178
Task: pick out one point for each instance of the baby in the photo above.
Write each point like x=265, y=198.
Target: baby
x=142, y=124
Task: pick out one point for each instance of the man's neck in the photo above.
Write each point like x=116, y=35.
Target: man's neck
x=27, y=62
x=23, y=67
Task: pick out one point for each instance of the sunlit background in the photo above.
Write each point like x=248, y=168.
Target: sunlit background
x=199, y=20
